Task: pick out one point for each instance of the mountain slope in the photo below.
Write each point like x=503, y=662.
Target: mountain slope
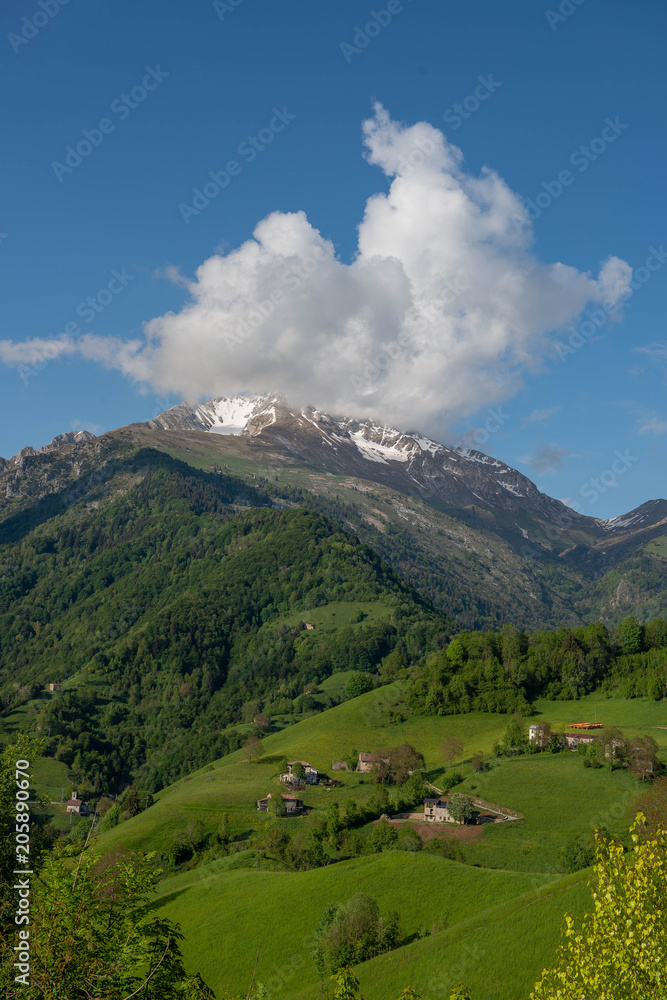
x=178, y=590
x=474, y=536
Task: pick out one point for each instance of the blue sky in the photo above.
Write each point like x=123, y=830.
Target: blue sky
x=169, y=93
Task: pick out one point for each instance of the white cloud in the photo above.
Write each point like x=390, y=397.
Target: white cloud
x=441, y=311
x=540, y=416
x=652, y=424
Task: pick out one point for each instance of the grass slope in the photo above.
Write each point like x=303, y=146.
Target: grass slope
x=281, y=910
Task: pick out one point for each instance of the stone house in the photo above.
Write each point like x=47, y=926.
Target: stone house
x=75, y=805
x=291, y=802
x=436, y=811
x=311, y=772
x=575, y=739
x=366, y=762
x=54, y=687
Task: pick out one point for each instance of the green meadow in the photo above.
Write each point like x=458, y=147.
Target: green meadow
x=281, y=910
x=493, y=921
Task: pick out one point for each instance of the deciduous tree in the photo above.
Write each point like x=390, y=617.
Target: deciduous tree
x=620, y=949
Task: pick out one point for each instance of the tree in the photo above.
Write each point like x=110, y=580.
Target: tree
x=131, y=802
x=346, y=986
x=612, y=747
x=451, y=749
x=253, y=747
x=620, y=949
x=23, y=749
x=353, y=932
x=298, y=770
x=395, y=765
x=89, y=933
x=461, y=807
x=515, y=734
x=461, y=992
x=542, y=735
x=224, y=835
x=631, y=634
x=261, y=721
x=358, y=684
x=477, y=762
x=642, y=755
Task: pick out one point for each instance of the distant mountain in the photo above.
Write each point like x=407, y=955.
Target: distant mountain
x=69, y=437
x=408, y=462
x=473, y=535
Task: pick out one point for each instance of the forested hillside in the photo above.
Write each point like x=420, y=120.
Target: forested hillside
x=171, y=601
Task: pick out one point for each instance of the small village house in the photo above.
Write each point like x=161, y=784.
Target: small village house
x=75, y=805
x=291, y=802
x=54, y=687
x=311, y=772
x=366, y=762
x=436, y=811
x=575, y=739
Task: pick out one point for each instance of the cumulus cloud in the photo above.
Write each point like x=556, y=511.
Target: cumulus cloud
x=546, y=459
x=442, y=309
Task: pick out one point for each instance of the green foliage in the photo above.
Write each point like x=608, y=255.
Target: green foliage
x=85, y=929
x=505, y=672
x=22, y=748
x=461, y=807
x=620, y=949
x=451, y=779
x=577, y=855
x=353, y=932
x=346, y=986
x=460, y=992
x=358, y=684
x=173, y=599
x=631, y=635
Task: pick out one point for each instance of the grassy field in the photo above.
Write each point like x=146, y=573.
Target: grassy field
x=557, y=795
x=503, y=908
x=281, y=910
x=499, y=953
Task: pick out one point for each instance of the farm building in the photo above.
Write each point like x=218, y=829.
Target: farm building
x=365, y=762
x=436, y=811
x=311, y=772
x=291, y=802
x=75, y=805
x=54, y=687
x=574, y=739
